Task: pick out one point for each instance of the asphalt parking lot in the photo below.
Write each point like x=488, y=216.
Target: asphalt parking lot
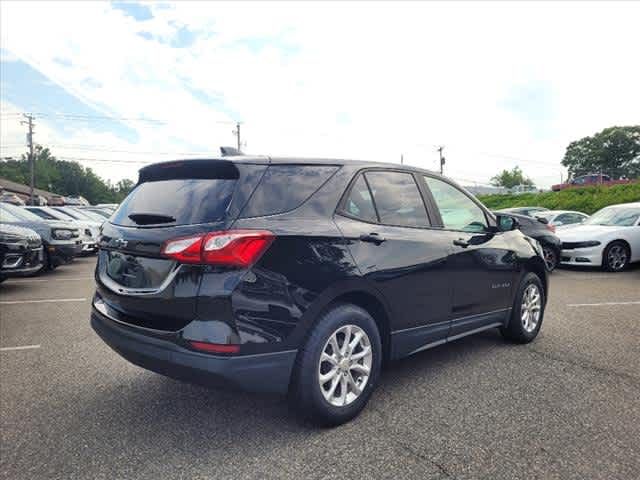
x=566, y=406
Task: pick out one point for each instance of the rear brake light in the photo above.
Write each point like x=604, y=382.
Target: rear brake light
x=551, y=227
x=215, y=347
x=239, y=248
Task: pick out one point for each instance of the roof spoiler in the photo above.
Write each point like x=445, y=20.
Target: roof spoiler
x=229, y=151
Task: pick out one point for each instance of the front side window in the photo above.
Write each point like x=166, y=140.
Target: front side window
x=359, y=203
x=397, y=199
x=457, y=210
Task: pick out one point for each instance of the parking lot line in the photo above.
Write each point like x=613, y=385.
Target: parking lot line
x=23, y=347
x=46, y=300
x=601, y=304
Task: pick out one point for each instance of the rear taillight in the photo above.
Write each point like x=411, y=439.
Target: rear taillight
x=551, y=228
x=240, y=248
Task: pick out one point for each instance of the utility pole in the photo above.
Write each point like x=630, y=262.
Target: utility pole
x=236, y=132
x=32, y=160
x=401, y=159
x=442, y=160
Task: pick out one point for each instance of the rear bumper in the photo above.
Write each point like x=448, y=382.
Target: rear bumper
x=268, y=372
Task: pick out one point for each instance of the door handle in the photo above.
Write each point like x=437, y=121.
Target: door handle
x=372, y=238
x=461, y=243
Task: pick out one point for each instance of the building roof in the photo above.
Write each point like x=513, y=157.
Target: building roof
x=15, y=187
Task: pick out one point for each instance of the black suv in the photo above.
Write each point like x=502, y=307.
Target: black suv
x=305, y=276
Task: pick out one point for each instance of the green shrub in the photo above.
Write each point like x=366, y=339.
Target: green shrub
x=586, y=199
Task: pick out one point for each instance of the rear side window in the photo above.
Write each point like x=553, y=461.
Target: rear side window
x=397, y=199
x=359, y=203
x=286, y=187
x=176, y=202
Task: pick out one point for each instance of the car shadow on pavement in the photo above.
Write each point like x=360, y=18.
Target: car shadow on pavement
x=150, y=403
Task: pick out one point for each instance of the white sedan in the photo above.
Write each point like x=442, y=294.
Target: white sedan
x=563, y=218
x=610, y=239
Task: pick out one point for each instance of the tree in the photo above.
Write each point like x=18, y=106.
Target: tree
x=614, y=151
x=65, y=178
x=511, y=178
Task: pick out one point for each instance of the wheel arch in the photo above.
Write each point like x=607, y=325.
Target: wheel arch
x=358, y=293
x=617, y=240
x=536, y=265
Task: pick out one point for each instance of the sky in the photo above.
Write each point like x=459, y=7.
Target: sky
x=117, y=85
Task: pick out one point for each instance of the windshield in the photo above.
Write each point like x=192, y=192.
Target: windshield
x=43, y=213
x=66, y=213
x=21, y=213
x=614, y=217
x=92, y=216
x=6, y=216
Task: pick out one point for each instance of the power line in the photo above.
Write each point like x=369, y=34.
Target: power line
x=78, y=116
x=102, y=160
x=104, y=148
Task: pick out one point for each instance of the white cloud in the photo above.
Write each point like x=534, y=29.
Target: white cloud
x=364, y=80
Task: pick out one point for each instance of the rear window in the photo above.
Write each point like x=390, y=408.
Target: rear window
x=176, y=202
x=286, y=187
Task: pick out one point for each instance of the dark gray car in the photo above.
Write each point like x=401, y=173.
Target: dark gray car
x=61, y=241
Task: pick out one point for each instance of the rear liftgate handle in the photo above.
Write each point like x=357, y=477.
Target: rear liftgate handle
x=372, y=238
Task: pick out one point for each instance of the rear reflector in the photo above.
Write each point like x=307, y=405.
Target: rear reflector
x=240, y=248
x=215, y=347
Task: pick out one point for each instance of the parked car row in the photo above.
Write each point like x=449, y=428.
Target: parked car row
x=38, y=238
x=610, y=238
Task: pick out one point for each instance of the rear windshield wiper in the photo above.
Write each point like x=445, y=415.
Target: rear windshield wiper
x=151, y=218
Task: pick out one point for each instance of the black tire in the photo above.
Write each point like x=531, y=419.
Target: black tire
x=46, y=262
x=615, y=263
x=515, y=330
x=305, y=391
x=551, y=258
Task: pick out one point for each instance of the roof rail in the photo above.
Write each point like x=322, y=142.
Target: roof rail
x=230, y=151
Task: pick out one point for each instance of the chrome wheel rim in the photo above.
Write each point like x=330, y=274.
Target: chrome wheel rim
x=531, y=308
x=549, y=258
x=617, y=257
x=345, y=365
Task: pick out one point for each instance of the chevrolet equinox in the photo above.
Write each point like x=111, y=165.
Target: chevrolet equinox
x=304, y=277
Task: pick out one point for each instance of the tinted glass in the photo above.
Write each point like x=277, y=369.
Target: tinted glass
x=22, y=213
x=397, y=199
x=186, y=201
x=359, y=203
x=286, y=187
x=66, y=213
x=43, y=214
x=6, y=216
x=457, y=210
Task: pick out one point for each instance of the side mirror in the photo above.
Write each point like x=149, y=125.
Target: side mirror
x=506, y=223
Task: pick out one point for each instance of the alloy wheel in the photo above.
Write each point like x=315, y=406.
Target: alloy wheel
x=617, y=257
x=531, y=308
x=345, y=365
